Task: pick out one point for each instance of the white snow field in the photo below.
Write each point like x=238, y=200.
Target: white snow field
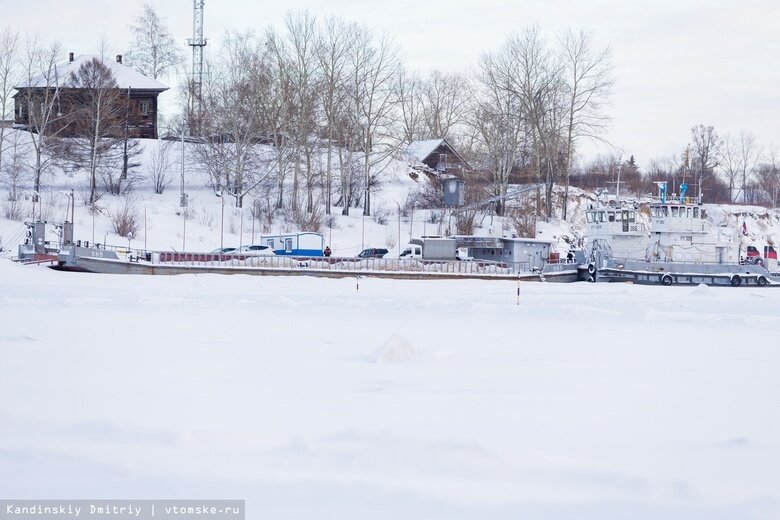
x=310, y=398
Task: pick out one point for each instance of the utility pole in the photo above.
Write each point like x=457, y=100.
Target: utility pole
x=399, y=228
x=197, y=42
x=127, y=135
x=184, y=201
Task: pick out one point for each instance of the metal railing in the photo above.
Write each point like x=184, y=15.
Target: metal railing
x=340, y=264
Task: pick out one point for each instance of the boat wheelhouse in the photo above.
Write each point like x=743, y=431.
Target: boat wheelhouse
x=681, y=232
x=616, y=230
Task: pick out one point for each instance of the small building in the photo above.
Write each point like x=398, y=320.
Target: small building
x=136, y=92
x=438, y=156
x=295, y=244
x=521, y=254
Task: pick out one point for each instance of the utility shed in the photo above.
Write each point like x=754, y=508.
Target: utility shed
x=295, y=244
x=521, y=254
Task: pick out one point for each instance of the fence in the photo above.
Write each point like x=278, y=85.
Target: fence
x=347, y=264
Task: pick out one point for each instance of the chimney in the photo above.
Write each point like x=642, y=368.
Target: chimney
x=119, y=58
x=70, y=57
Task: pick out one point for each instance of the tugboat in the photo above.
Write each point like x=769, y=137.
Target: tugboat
x=682, y=247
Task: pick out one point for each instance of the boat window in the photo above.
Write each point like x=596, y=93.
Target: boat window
x=689, y=212
x=631, y=216
x=675, y=211
x=619, y=216
x=601, y=216
x=695, y=212
x=666, y=211
x=590, y=217
x=611, y=216
x=703, y=213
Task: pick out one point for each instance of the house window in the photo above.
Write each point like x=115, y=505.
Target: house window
x=288, y=245
x=144, y=106
x=21, y=110
x=443, y=158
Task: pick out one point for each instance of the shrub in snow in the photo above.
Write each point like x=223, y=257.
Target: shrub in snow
x=125, y=221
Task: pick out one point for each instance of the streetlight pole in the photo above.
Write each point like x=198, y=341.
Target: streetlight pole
x=221, y=195
x=241, y=228
x=399, y=228
x=184, y=197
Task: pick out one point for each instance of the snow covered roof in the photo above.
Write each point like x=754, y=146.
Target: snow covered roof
x=126, y=77
x=419, y=150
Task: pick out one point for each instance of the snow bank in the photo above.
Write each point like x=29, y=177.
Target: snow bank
x=395, y=350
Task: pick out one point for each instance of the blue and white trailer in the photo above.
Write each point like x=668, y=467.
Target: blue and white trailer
x=295, y=244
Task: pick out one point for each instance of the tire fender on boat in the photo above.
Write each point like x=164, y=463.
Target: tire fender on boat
x=591, y=269
x=736, y=280
x=761, y=281
x=667, y=279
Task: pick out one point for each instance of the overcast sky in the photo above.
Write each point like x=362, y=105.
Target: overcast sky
x=677, y=62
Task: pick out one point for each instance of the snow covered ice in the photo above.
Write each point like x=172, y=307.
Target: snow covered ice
x=442, y=399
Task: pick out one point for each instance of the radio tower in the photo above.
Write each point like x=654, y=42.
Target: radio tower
x=197, y=42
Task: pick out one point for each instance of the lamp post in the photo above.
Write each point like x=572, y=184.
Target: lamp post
x=184, y=196
x=399, y=228
x=221, y=195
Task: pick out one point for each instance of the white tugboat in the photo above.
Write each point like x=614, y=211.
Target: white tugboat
x=681, y=248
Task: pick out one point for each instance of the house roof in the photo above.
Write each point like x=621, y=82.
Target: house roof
x=419, y=150
x=126, y=77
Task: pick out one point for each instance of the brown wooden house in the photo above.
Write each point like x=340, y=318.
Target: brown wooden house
x=438, y=156
x=137, y=96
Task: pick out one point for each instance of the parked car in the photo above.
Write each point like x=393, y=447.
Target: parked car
x=374, y=252
x=253, y=250
x=223, y=250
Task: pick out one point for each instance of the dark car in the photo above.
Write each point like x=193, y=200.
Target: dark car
x=373, y=252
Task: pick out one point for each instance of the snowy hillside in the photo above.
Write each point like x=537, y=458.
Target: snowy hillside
x=162, y=226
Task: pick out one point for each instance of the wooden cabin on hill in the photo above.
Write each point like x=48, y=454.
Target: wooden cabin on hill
x=135, y=95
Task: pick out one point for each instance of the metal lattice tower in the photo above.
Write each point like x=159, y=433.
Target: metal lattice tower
x=197, y=42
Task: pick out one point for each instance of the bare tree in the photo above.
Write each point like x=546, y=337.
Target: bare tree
x=498, y=123
x=9, y=74
x=153, y=51
x=706, y=147
x=411, y=107
x=443, y=103
x=39, y=106
x=749, y=154
x=230, y=154
x=303, y=70
x=730, y=163
x=97, y=122
x=768, y=175
x=333, y=46
x=14, y=172
x=159, y=166
x=374, y=71
x=587, y=83
x=277, y=106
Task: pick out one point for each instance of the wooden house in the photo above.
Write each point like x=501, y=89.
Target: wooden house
x=438, y=156
x=136, y=94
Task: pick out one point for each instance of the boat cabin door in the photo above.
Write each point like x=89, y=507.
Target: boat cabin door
x=625, y=220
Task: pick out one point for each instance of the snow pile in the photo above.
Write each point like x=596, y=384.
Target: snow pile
x=395, y=350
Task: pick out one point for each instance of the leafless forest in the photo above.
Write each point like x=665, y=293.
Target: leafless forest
x=307, y=117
